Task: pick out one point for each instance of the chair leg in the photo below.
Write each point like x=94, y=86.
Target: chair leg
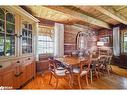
x=111, y=68
x=79, y=82
x=56, y=82
x=91, y=76
x=96, y=74
x=87, y=83
x=70, y=81
x=98, y=70
x=108, y=71
x=50, y=78
x=103, y=70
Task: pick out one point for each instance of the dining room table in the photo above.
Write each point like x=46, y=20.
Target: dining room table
x=70, y=62
x=73, y=60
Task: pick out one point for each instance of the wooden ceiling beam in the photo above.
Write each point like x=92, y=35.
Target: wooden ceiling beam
x=112, y=13
x=80, y=16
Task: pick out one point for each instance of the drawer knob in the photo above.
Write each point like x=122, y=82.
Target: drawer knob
x=1, y=66
x=28, y=58
x=18, y=61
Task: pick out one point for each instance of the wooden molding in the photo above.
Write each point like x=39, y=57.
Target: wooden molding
x=112, y=13
x=22, y=12
x=80, y=16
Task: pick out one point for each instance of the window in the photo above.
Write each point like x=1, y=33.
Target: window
x=26, y=38
x=45, y=41
x=7, y=33
x=124, y=41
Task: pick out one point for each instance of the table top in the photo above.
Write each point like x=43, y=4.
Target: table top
x=72, y=60
x=69, y=60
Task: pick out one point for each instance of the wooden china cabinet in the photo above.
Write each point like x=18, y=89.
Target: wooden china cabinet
x=17, y=46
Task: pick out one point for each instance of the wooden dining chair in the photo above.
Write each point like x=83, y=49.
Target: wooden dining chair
x=104, y=64
x=108, y=64
x=93, y=69
x=94, y=66
x=82, y=70
x=58, y=72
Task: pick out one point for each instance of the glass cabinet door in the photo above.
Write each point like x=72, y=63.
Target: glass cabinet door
x=7, y=33
x=2, y=32
x=26, y=38
x=10, y=35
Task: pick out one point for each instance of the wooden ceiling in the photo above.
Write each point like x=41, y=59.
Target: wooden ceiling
x=93, y=16
x=49, y=14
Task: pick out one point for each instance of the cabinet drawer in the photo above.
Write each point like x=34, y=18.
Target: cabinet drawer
x=17, y=62
x=4, y=65
x=28, y=60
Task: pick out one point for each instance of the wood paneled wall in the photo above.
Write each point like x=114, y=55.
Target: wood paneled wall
x=106, y=33
x=70, y=32
x=70, y=38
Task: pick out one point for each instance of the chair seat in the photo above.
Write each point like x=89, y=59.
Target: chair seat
x=77, y=70
x=60, y=68
x=61, y=72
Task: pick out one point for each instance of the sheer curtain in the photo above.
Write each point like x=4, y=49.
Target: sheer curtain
x=59, y=40
x=116, y=39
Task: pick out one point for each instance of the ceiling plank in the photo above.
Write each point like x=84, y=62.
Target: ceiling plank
x=112, y=13
x=80, y=16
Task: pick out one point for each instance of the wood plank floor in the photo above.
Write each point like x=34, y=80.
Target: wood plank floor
x=115, y=81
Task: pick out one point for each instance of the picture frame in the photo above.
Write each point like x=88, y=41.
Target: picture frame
x=105, y=39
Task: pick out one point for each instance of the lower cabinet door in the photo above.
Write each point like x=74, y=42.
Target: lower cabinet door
x=33, y=69
x=28, y=69
x=0, y=80
x=17, y=82
x=23, y=75
x=7, y=78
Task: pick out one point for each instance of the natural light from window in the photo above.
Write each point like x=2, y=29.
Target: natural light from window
x=45, y=44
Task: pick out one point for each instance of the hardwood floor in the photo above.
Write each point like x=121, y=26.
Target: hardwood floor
x=119, y=71
x=104, y=82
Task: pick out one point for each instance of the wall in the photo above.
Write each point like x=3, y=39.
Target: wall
x=106, y=33
x=70, y=38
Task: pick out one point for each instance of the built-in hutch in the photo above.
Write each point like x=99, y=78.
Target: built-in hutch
x=17, y=46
